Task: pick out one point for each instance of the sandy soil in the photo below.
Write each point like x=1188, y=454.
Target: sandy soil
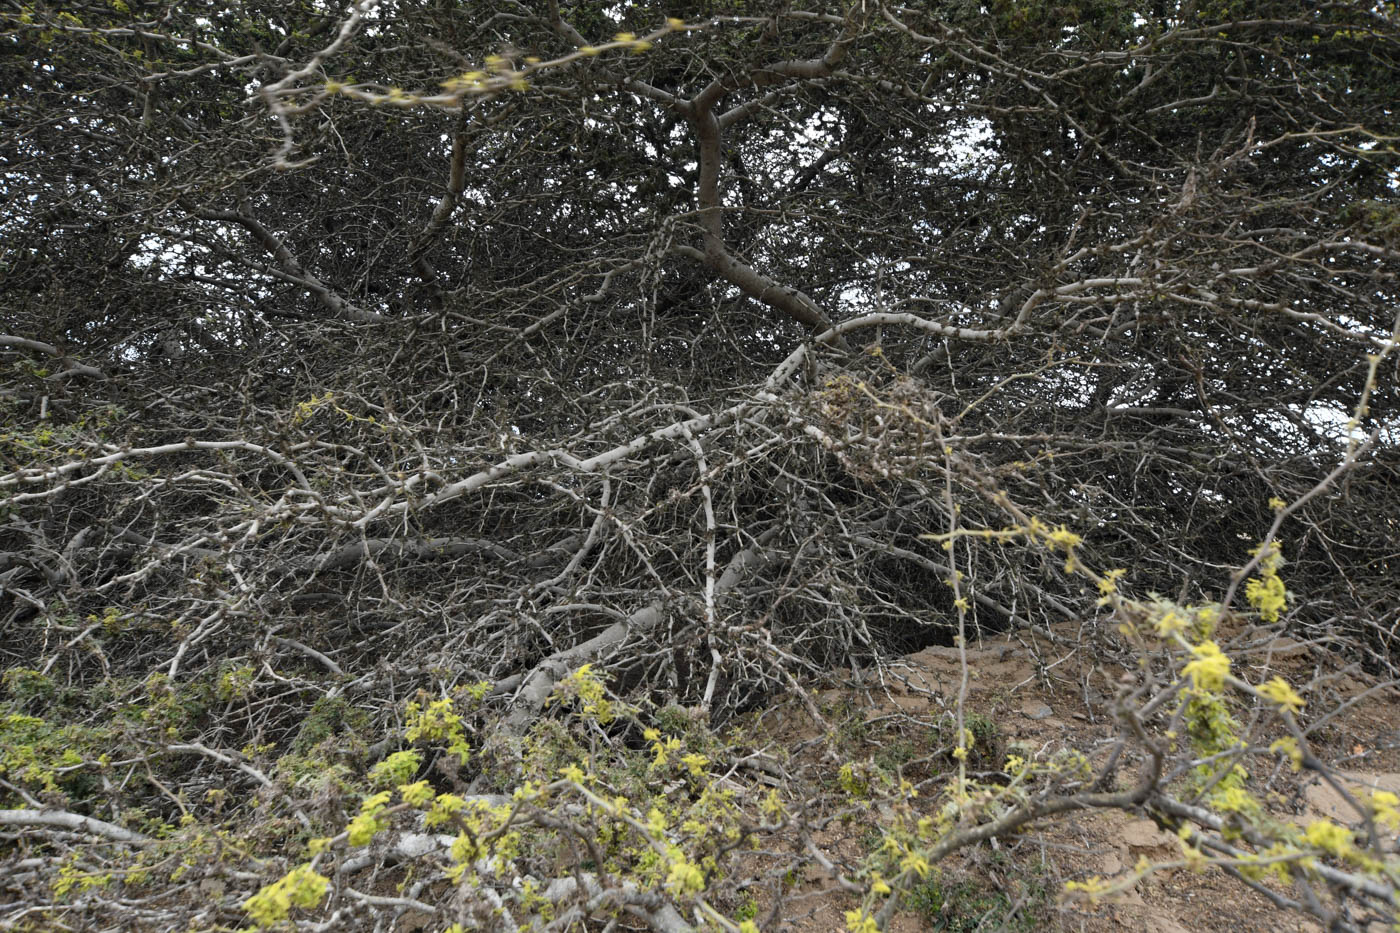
x=1049, y=696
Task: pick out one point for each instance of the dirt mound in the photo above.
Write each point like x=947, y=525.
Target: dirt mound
x=1039, y=695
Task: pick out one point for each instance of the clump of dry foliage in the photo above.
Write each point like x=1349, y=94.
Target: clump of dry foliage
x=432, y=431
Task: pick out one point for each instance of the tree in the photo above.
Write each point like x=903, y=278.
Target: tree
x=358, y=355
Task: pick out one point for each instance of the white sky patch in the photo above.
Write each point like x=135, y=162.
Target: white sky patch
x=968, y=147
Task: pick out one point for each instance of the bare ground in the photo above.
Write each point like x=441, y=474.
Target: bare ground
x=1045, y=694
